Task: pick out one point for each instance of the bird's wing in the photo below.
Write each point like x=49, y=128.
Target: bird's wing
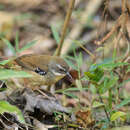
x=31, y=62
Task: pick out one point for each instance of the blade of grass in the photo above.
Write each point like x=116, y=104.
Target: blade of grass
x=124, y=102
x=55, y=34
x=9, y=45
x=17, y=42
x=4, y=62
x=70, y=95
x=28, y=45
x=6, y=107
x=71, y=64
x=6, y=74
x=69, y=90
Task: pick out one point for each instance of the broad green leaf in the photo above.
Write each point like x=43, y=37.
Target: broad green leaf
x=6, y=74
x=124, y=102
x=11, y=109
x=55, y=34
x=95, y=75
x=97, y=104
x=90, y=76
x=116, y=115
x=9, y=46
x=28, y=45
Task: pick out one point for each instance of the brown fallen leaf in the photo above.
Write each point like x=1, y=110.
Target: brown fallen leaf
x=84, y=118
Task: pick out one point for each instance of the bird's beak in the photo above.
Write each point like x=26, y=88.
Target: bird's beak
x=69, y=77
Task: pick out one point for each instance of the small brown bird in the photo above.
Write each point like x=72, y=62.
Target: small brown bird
x=46, y=70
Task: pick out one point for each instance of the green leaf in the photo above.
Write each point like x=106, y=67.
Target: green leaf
x=58, y=113
x=97, y=104
x=90, y=76
x=6, y=74
x=107, y=64
x=70, y=95
x=28, y=45
x=107, y=84
x=95, y=75
x=70, y=57
x=71, y=64
x=69, y=89
x=79, y=85
x=75, y=89
x=11, y=109
x=17, y=42
x=55, y=34
x=79, y=59
x=2, y=89
x=9, y=46
x=4, y=62
x=105, y=61
x=124, y=102
x=117, y=115
x=113, y=65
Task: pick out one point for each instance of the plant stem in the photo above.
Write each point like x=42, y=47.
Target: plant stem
x=103, y=106
x=66, y=22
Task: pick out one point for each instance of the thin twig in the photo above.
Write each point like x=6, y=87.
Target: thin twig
x=86, y=50
x=103, y=106
x=101, y=100
x=67, y=19
x=127, y=54
x=91, y=8
x=124, y=6
x=118, y=24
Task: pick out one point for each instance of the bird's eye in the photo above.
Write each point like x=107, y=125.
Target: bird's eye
x=40, y=71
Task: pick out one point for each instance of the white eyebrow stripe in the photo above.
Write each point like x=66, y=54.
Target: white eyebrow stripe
x=56, y=73
x=59, y=66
